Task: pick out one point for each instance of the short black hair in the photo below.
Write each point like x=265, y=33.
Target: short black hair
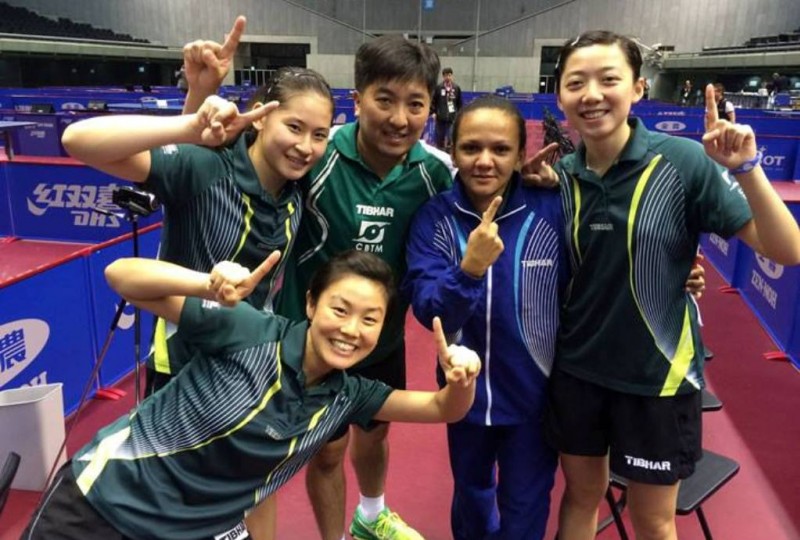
x=497, y=103
x=600, y=37
x=447, y=71
x=393, y=57
x=353, y=262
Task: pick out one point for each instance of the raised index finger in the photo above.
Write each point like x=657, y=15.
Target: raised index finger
x=264, y=268
x=259, y=112
x=712, y=115
x=232, y=41
x=438, y=337
x=489, y=213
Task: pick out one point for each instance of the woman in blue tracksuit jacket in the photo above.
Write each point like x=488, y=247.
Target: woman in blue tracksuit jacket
x=488, y=257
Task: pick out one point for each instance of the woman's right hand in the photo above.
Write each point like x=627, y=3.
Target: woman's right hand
x=219, y=120
x=537, y=172
x=231, y=282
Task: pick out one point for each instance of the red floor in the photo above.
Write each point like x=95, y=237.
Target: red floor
x=757, y=426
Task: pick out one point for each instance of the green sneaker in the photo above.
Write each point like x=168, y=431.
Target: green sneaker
x=388, y=526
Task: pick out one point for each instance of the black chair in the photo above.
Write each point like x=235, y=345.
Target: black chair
x=7, y=476
x=711, y=473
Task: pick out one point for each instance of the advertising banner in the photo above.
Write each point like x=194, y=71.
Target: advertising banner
x=46, y=332
x=64, y=202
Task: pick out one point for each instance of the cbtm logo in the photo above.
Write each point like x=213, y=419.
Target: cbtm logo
x=670, y=126
x=80, y=200
x=370, y=236
x=20, y=343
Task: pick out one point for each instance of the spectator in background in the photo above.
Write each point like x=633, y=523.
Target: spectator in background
x=686, y=94
x=780, y=83
x=725, y=108
x=646, y=94
x=182, y=84
x=446, y=103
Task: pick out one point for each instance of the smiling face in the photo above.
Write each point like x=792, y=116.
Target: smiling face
x=346, y=321
x=596, y=92
x=486, y=153
x=391, y=118
x=291, y=139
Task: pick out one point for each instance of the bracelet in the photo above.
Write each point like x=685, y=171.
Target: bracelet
x=747, y=166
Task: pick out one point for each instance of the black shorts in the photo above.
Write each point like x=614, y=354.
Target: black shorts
x=390, y=370
x=65, y=514
x=652, y=440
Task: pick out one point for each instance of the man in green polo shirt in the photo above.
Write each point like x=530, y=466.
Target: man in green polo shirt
x=362, y=195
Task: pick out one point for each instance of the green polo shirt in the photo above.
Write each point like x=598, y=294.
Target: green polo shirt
x=216, y=210
x=232, y=427
x=628, y=324
x=349, y=207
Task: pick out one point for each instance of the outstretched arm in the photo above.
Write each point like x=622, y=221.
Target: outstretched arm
x=451, y=403
x=207, y=63
x=119, y=145
x=161, y=287
x=773, y=231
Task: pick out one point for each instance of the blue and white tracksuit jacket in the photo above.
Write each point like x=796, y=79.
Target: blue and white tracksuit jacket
x=510, y=316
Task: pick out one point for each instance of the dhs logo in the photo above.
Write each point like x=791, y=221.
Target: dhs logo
x=80, y=201
x=370, y=236
x=770, y=268
x=20, y=343
x=670, y=126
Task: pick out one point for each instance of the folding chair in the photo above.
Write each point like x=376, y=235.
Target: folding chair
x=711, y=473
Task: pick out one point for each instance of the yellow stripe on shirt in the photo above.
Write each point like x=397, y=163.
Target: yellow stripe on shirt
x=160, y=349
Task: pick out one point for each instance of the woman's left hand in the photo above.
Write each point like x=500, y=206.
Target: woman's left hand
x=728, y=144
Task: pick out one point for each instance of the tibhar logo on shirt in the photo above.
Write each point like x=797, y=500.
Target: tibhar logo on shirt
x=601, y=227
x=647, y=464
x=209, y=304
x=377, y=211
x=536, y=263
x=237, y=533
x=371, y=233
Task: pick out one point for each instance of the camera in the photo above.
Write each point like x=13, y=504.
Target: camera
x=137, y=202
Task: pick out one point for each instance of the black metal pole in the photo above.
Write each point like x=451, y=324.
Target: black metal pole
x=137, y=339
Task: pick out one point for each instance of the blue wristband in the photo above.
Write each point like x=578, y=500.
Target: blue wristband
x=748, y=166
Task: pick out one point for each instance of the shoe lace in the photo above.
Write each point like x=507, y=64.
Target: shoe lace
x=389, y=525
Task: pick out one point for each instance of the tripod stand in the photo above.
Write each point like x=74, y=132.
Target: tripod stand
x=110, y=393
x=136, y=204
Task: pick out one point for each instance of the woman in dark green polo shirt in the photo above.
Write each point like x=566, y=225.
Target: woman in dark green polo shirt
x=242, y=418
x=624, y=391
